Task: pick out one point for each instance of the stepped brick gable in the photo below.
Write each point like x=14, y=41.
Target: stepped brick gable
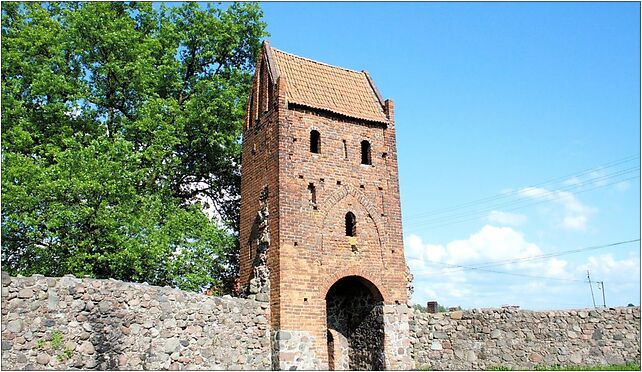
x=321, y=235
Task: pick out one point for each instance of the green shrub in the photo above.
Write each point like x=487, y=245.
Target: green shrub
x=65, y=355
x=56, y=339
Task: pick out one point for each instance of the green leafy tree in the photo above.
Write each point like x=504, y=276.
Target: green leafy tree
x=120, y=122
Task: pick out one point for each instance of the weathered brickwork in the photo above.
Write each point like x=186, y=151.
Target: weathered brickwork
x=309, y=196
x=69, y=323
x=260, y=171
x=521, y=339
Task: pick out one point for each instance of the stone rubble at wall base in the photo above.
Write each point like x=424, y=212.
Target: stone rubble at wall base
x=70, y=323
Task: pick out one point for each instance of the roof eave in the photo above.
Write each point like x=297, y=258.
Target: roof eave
x=383, y=120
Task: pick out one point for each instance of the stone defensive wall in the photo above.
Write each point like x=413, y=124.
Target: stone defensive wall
x=521, y=339
x=69, y=323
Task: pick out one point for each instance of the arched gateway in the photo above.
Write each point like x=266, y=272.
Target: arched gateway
x=321, y=218
x=354, y=310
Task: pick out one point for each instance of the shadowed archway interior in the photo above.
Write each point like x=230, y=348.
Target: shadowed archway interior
x=354, y=308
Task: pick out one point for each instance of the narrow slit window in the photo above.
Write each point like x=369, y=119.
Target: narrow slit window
x=351, y=224
x=312, y=195
x=315, y=142
x=365, y=153
x=345, y=149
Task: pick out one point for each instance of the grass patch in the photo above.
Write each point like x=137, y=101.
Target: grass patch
x=66, y=354
x=56, y=339
x=630, y=366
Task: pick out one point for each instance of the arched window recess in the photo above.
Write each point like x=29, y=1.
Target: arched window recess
x=365, y=153
x=315, y=142
x=351, y=224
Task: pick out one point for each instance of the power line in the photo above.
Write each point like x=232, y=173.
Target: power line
x=509, y=194
x=495, y=263
x=477, y=214
x=515, y=192
x=547, y=255
x=505, y=272
x=549, y=194
x=509, y=273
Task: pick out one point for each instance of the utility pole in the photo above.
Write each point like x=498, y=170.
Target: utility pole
x=600, y=285
x=588, y=275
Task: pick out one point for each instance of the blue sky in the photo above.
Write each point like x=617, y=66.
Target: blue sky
x=534, y=108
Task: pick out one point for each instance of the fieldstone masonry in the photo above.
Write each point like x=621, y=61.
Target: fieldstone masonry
x=70, y=323
x=293, y=350
x=396, y=320
x=521, y=339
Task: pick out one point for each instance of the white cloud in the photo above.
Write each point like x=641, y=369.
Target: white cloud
x=416, y=249
x=576, y=214
x=573, y=181
x=606, y=264
x=575, y=222
x=621, y=276
x=434, y=266
x=599, y=177
x=557, y=268
x=622, y=186
x=534, y=192
x=550, y=283
x=489, y=244
x=505, y=218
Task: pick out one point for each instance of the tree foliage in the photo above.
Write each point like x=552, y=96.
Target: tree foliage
x=118, y=121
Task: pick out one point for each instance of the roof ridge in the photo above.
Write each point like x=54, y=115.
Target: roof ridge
x=315, y=61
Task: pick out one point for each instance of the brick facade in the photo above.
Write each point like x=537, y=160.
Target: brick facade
x=309, y=250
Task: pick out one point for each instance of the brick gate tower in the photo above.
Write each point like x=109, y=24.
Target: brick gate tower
x=320, y=231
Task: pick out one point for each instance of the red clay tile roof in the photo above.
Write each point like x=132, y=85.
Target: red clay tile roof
x=322, y=86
